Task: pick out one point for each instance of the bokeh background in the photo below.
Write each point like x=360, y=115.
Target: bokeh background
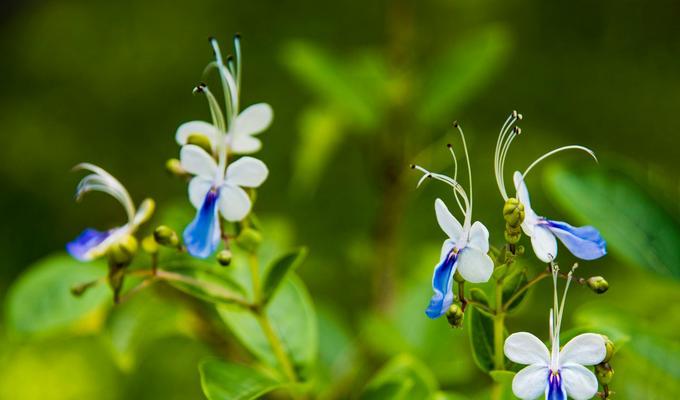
x=360, y=90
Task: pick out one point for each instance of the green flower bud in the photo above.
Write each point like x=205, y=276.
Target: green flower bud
x=455, y=316
x=165, y=236
x=224, y=258
x=249, y=239
x=604, y=373
x=610, y=349
x=122, y=252
x=512, y=238
x=513, y=212
x=458, y=277
x=150, y=245
x=201, y=141
x=598, y=284
x=174, y=166
x=520, y=250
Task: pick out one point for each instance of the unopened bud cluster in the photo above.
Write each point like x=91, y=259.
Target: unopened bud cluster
x=604, y=370
x=513, y=213
x=455, y=316
x=123, y=251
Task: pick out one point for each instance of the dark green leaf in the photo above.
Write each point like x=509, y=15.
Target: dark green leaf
x=635, y=226
x=511, y=285
x=403, y=377
x=279, y=269
x=40, y=301
x=480, y=328
x=227, y=381
x=293, y=318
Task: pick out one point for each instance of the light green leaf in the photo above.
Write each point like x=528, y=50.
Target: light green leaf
x=634, y=225
x=480, y=328
x=403, y=377
x=227, y=381
x=279, y=269
x=504, y=381
x=40, y=301
x=208, y=286
x=293, y=318
x=462, y=72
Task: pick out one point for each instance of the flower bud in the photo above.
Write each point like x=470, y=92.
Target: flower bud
x=597, y=284
x=249, y=239
x=458, y=277
x=224, y=258
x=174, y=166
x=604, y=373
x=455, y=316
x=201, y=141
x=512, y=238
x=520, y=250
x=149, y=245
x=122, y=252
x=165, y=236
x=609, y=345
x=513, y=212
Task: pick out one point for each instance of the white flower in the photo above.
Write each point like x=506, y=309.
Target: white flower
x=467, y=246
x=555, y=373
x=91, y=243
x=584, y=242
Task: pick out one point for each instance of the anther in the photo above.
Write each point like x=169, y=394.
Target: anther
x=413, y=166
x=237, y=36
x=449, y=145
x=455, y=124
x=519, y=117
x=200, y=88
x=514, y=114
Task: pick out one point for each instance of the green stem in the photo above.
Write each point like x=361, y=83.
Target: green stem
x=498, y=328
x=524, y=288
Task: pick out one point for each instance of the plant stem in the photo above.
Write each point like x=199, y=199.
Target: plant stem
x=498, y=328
x=524, y=288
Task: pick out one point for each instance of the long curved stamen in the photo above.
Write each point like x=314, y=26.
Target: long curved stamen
x=215, y=112
x=564, y=298
x=104, y=182
x=554, y=332
x=502, y=144
x=557, y=150
x=455, y=185
x=228, y=84
x=455, y=175
x=467, y=158
x=237, y=53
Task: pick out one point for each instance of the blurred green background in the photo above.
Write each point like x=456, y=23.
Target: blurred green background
x=360, y=90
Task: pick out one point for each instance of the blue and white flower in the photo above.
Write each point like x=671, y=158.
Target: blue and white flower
x=553, y=372
x=92, y=243
x=584, y=242
x=467, y=245
x=217, y=187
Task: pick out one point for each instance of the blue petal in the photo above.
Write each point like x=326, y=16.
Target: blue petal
x=441, y=284
x=202, y=235
x=86, y=241
x=555, y=390
x=584, y=242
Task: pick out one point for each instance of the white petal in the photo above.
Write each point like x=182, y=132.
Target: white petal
x=196, y=128
x=525, y=348
x=244, y=144
x=544, y=244
x=474, y=266
x=479, y=237
x=579, y=381
x=530, y=382
x=198, y=188
x=247, y=172
x=234, y=203
x=196, y=161
x=447, y=221
x=585, y=349
x=446, y=249
x=522, y=192
x=254, y=119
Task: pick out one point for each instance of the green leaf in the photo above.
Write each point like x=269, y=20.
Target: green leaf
x=40, y=301
x=404, y=377
x=292, y=316
x=227, y=381
x=208, y=286
x=635, y=226
x=504, y=380
x=462, y=72
x=511, y=285
x=480, y=328
x=279, y=269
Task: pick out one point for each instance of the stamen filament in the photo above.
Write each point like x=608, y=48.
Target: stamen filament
x=557, y=150
x=215, y=112
x=455, y=185
x=455, y=175
x=499, y=154
x=467, y=158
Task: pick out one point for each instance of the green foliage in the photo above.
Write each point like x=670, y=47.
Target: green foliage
x=279, y=269
x=41, y=302
x=293, y=318
x=504, y=381
x=208, y=286
x=635, y=226
x=512, y=282
x=228, y=381
x=480, y=328
x=404, y=377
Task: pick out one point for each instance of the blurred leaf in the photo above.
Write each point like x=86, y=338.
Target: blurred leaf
x=279, y=269
x=293, y=318
x=462, y=72
x=635, y=226
x=211, y=287
x=480, y=328
x=40, y=301
x=511, y=284
x=227, y=381
x=321, y=131
x=331, y=79
x=404, y=377
x=338, y=353
x=504, y=380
